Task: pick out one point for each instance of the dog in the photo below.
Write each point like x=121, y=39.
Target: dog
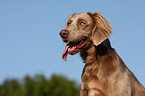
x=104, y=73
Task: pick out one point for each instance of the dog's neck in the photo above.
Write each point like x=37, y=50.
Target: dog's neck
x=89, y=54
x=92, y=52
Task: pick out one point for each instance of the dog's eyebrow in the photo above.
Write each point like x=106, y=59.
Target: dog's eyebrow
x=81, y=19
x=69, y=21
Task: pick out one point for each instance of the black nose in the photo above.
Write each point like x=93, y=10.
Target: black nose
x=64, y=33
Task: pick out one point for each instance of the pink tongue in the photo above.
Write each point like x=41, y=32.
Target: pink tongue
x=64, y=56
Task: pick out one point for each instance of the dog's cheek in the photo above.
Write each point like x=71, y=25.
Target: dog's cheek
x=75, y=36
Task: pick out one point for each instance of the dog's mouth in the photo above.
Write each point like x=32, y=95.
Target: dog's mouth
x=73, y=47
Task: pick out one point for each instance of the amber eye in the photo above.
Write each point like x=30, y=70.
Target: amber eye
x=82, y=23
x=68, y=23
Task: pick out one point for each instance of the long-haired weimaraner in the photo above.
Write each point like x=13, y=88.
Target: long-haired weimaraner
x=104, y=73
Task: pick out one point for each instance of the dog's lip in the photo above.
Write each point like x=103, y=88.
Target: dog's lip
x=65, y=40
x=77, y=44
x=73, y=47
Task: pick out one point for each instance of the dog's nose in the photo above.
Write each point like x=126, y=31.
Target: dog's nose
x=64, y=33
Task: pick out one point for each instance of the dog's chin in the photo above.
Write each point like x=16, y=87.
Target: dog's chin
x=73, y=53
x=74, y=47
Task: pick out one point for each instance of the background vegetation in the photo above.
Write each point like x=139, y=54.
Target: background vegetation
x=39, y=86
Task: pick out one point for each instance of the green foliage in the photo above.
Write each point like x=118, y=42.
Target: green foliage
x=11, y=88
x=40, y=86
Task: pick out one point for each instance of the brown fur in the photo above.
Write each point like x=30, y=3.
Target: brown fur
x=104, y=74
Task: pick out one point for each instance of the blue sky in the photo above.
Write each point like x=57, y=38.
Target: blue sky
x=30, y=41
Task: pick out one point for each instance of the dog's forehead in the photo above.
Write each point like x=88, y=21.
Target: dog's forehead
x=77, y=16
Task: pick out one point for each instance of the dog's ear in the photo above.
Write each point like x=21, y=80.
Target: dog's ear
x=102, y=28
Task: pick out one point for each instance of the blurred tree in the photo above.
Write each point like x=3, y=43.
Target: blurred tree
x=40, y=86
x=60, y=86
x=29, y=86
x=11, y=88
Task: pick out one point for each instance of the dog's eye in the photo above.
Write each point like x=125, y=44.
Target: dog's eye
x=82, y=23
x=68, y=23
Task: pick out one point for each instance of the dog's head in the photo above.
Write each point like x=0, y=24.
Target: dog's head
x=83, y=29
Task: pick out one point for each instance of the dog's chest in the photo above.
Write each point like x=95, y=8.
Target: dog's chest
x=91, y=81
x=90, y=71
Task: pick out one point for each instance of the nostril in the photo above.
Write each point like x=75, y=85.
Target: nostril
x=60, y=33
x=64, y=33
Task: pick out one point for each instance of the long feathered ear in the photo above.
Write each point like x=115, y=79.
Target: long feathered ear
x=102, y=28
